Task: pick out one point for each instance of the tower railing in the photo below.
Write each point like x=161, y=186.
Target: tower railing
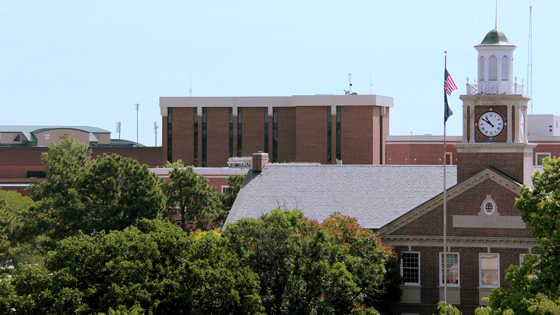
x=494, y=87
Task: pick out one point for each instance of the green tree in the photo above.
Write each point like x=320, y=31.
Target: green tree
x=535, y=285
x=191, y=202
x=153, y=269
x=308, y=268
x=107, y=193
x=17, y=245
x=234, y=182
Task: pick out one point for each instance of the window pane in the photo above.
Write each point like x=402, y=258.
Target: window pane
x=489, y=277
x=411, y=267
x=489, y=269
x=451, y=268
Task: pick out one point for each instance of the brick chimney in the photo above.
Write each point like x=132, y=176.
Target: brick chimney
x=260, y=159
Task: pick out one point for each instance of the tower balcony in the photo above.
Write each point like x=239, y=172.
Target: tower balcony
x=494, y=87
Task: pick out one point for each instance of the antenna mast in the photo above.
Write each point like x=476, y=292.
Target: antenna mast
x=530, y=58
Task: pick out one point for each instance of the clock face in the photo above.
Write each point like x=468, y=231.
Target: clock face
x=490, y=124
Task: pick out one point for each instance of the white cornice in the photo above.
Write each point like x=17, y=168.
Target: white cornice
x=463, y=241
x=452, y=192
x=494, y=147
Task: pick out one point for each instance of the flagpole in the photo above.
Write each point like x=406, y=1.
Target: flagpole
x=445, y=191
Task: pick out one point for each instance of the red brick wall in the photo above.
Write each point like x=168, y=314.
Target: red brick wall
x=152, y=156
x=511, y=164
x=218, y=137
x=183, y=132
x=468, y=203
x=385, y=129
x=311, y=134
x=553, y=149
x=253, y=130
x=164, y=139
x=469, y=276
x=502, y=110
x=287, y=134
x=16, y=161
x=333, y=136
x=418, y=153
x=360, y=134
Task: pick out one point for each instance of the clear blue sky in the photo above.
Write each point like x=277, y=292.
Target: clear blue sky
x=67, y=62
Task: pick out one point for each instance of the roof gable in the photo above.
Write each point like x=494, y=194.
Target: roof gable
x=489, y=174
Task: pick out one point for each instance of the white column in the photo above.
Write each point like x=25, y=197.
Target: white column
x=509, y=131
x=465, y=123
x=517, y=131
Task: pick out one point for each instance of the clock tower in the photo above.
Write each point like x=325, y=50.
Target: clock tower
x=494, y=116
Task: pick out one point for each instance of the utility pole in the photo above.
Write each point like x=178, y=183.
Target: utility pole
x=137, y=122
x=155, y=130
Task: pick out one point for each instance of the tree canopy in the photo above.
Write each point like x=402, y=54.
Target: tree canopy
x=309, y=268
x=535, y=285
x=92, y=195
x=17, y=244
x=152, y=269
x=191, y=202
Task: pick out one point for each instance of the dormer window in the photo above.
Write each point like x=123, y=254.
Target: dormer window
x=17, y=138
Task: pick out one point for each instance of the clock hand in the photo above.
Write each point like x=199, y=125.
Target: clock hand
x=488, y=121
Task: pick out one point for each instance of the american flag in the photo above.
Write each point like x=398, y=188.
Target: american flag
x=448, y=83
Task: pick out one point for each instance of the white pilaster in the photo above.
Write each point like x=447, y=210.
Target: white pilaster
x=509, y=124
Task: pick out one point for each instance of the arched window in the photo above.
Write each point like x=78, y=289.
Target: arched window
x=481, y=69
x=505, y=68
x=493, y=68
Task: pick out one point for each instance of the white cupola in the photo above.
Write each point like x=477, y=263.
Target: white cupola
x=495, y=65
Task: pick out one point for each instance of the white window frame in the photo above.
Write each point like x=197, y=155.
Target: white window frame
x=224, y=189
x=402, y=273
x=544, y=154
x=440, y=269
x=480, y=271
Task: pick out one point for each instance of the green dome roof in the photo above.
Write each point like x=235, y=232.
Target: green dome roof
x=495, y=37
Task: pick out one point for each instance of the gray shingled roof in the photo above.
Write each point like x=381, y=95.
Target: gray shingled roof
x=374, y=194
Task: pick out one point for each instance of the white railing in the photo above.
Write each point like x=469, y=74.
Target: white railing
x=494, y=87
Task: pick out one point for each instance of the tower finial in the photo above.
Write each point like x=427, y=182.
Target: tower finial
x=496, y=26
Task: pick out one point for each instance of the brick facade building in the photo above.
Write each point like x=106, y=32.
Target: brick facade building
x=407, y=205
x=207, y=131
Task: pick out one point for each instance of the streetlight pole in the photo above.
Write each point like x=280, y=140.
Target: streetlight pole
x=137, y=122
x=119, y=129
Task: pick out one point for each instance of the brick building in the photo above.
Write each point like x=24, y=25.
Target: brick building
x=407, y=205
x=206, y=131
x=21, y=148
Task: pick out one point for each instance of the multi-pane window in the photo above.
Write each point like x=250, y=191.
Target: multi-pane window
x=410, y=268
x=490, y=270
x=540, y=158
x=450, y=268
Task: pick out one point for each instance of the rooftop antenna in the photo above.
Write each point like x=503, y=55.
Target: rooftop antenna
x=530, y=58
x=190, y=84
x=349, y=83
x=496, y=27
